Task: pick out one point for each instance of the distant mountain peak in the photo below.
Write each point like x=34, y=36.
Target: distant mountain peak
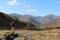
x=14, y=14
x=51, y=15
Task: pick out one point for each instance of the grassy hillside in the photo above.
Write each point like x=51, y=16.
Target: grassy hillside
x=5, y=21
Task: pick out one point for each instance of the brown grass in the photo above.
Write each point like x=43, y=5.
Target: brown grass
x=41, y=35
x=47, y=35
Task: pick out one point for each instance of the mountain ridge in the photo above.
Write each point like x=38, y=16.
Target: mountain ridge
x=5, y=21
x=48, y=19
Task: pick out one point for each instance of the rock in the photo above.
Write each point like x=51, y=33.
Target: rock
x=11, y=36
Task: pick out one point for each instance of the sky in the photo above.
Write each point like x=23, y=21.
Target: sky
x=30, y=7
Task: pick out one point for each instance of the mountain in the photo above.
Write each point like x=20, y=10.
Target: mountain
x=48, y=19
x=6, y=19
x=28, y=21
x=27, y=18
x=38, y=20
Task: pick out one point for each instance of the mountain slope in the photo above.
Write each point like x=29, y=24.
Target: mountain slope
x=5, y=21
x=27, y=18
x=46, y=20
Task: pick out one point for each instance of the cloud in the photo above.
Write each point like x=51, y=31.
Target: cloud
x=28, y=5
x=24, y=2
x=13, y=2
x=31, y=10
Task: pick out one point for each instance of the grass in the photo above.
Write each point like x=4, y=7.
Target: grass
x=41, y=35
x=47, y=35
